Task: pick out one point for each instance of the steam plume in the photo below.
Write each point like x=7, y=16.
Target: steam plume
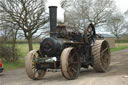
x=60, y=11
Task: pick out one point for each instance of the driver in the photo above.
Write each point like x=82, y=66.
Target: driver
x=91, y=34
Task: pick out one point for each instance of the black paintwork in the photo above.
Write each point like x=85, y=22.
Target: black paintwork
x=56, y=43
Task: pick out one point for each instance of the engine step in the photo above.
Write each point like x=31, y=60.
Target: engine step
x=53, y=70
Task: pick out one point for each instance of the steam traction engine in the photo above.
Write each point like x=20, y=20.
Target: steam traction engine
x=68, y=51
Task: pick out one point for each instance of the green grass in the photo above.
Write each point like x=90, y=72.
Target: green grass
x=23, y=51
x=13, y=65
x=23, y=48
x=119, y=46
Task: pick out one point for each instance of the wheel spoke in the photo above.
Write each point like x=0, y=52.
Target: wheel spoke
x=72, y=64
x=39, y=71
x=104, y=57
x=31, y=68
x=103, y=51
x=73, y=54
x=76, y=62
x=74, y=70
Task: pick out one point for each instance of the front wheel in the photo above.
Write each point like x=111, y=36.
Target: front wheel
x=30, y=66
x=70, y=63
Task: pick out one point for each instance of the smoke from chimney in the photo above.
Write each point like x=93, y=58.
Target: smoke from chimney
x=60, y=11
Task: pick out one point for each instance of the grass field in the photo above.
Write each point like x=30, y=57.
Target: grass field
x=23, y=51
x=120, y=46
x=14, y=65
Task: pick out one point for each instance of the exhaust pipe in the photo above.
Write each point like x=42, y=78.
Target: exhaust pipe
x=53, y=20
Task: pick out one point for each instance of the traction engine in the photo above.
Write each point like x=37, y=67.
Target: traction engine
x=68, y=51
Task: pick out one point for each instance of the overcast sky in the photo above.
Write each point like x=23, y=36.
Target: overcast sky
x=122, y=5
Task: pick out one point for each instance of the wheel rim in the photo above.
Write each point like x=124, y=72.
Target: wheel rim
x=30, y=66
x=105, y=55
x=70, y=64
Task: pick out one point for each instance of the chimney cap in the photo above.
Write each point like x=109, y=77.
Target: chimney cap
x=52, y=6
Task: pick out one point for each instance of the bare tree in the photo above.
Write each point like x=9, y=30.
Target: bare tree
x=29, y=15
x=5, y=33
x=126, y=12
x=116, y=25
x=126, y=17
x=95, y=11
x=9, y=33
x=74, y=21
x=65, y=3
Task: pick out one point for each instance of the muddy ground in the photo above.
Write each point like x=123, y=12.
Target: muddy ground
x=117, y=75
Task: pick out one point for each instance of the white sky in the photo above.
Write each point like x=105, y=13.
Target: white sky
x=60, y=11
x=122, y=5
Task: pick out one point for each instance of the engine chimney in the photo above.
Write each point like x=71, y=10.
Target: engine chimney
x=53, y=20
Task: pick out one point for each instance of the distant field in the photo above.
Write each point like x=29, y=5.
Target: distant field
x=23, y=48
x=120, y=46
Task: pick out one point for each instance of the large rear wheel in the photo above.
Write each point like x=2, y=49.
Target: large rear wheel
x=70, y=63
x=30, y=66
x=101, y=56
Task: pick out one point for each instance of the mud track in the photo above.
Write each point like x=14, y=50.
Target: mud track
x=117, y=75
